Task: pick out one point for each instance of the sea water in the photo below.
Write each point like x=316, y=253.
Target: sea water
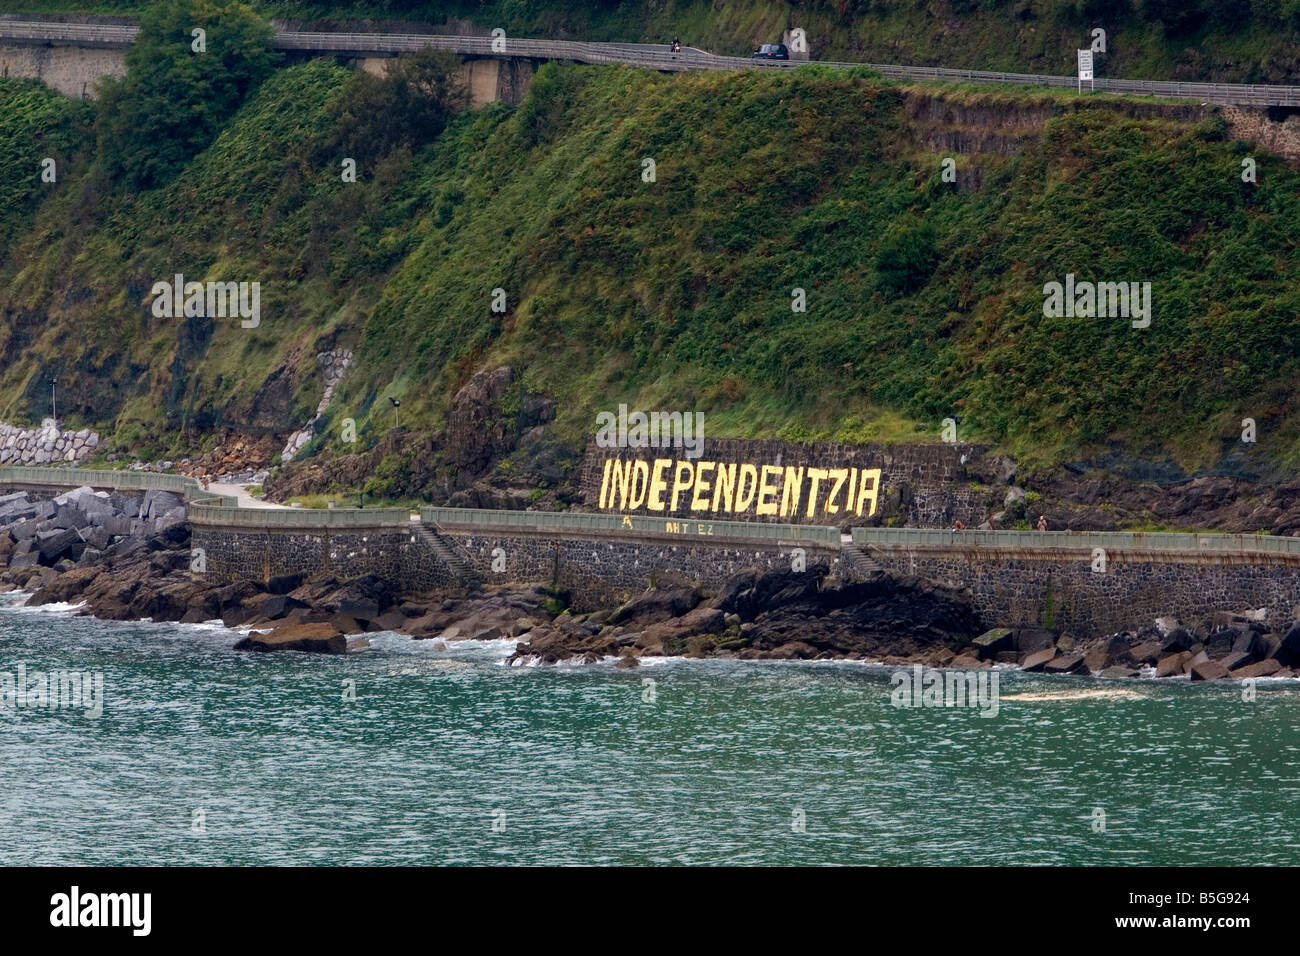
x=419, y=752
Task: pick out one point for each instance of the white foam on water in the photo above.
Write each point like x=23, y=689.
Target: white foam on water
x=55, y=607
x=213, y=625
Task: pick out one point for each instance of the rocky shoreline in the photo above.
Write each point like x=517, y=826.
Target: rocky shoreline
x=127, y=558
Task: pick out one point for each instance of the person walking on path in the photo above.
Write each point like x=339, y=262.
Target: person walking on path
x=1042, y=522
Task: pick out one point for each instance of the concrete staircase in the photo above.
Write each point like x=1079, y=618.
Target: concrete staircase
x=447, y=554
x=862, y=562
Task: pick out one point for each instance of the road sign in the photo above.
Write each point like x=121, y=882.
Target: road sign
x=1085, y=69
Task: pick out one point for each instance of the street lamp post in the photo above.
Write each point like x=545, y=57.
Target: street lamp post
x=54, y=406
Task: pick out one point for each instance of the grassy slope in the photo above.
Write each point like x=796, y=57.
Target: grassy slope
x=246, y=209
x=676, y=294
x=1242, y=42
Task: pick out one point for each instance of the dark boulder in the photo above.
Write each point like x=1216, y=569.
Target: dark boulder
x=1109, y=653
x=277, y=606
x=1220, y=643
x=1070, y=663
x=1252, y=644
x=1038, y=660
x=1117, y=670
x=652, y=606
x=1209, y=670
x=994, y=642
x=1260, y=669
x=1147, y=653
x=1288, y=650
x=284, y=583
x=53, y=545
x=1028, y=640
x=362, y=609
x=1172, y=664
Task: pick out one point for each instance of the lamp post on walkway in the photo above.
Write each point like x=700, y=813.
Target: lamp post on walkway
x=54, y=406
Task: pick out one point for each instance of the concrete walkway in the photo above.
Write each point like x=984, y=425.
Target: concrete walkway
x=241, y=492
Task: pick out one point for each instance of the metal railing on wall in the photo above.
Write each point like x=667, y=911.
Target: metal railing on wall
x=208, y=513
x=656, y=57
x=100, y=478
x=613, y=524
x=207, y=509
x=1076, y=540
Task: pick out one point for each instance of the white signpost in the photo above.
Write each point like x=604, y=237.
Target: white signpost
x=1085, y=69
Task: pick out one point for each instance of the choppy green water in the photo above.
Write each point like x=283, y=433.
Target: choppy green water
x=580, y=768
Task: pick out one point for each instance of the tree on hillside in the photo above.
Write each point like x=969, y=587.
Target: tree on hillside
x=176, y=97
x=408, y=106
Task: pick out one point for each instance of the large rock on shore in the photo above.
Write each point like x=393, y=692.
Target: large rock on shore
x=653, y=606
x=1209, y=670
x=993, y=642
x=318, y=638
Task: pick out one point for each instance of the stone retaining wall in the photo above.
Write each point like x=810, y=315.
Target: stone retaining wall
x=1010, y=585
x=1016, y=588
x=600, y=572
x=928, y=485
x=254, y=554
x=45, y=445
x=73, y=71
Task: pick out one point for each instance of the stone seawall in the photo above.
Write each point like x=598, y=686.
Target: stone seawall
x=233, y=554
x=596, y=570
x=600, y=572
x=1021, y=588
x=1010, y=587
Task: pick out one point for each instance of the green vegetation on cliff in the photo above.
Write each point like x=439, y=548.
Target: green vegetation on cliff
x=173, y=102
x=924, y=299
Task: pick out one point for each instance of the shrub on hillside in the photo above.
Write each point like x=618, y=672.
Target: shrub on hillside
x=907, y=258
x=406, y=107
x=175, y=99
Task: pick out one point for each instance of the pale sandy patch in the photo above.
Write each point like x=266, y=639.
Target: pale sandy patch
x=1102, y=693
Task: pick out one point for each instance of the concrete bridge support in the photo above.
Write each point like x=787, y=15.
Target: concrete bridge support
x=71, y=70
x=74, y=70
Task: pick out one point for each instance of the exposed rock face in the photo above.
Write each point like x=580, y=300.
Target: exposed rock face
x=1256, y=126
x=45, y=445
x=333, y=365
x=478, y=431
x=777, y=615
